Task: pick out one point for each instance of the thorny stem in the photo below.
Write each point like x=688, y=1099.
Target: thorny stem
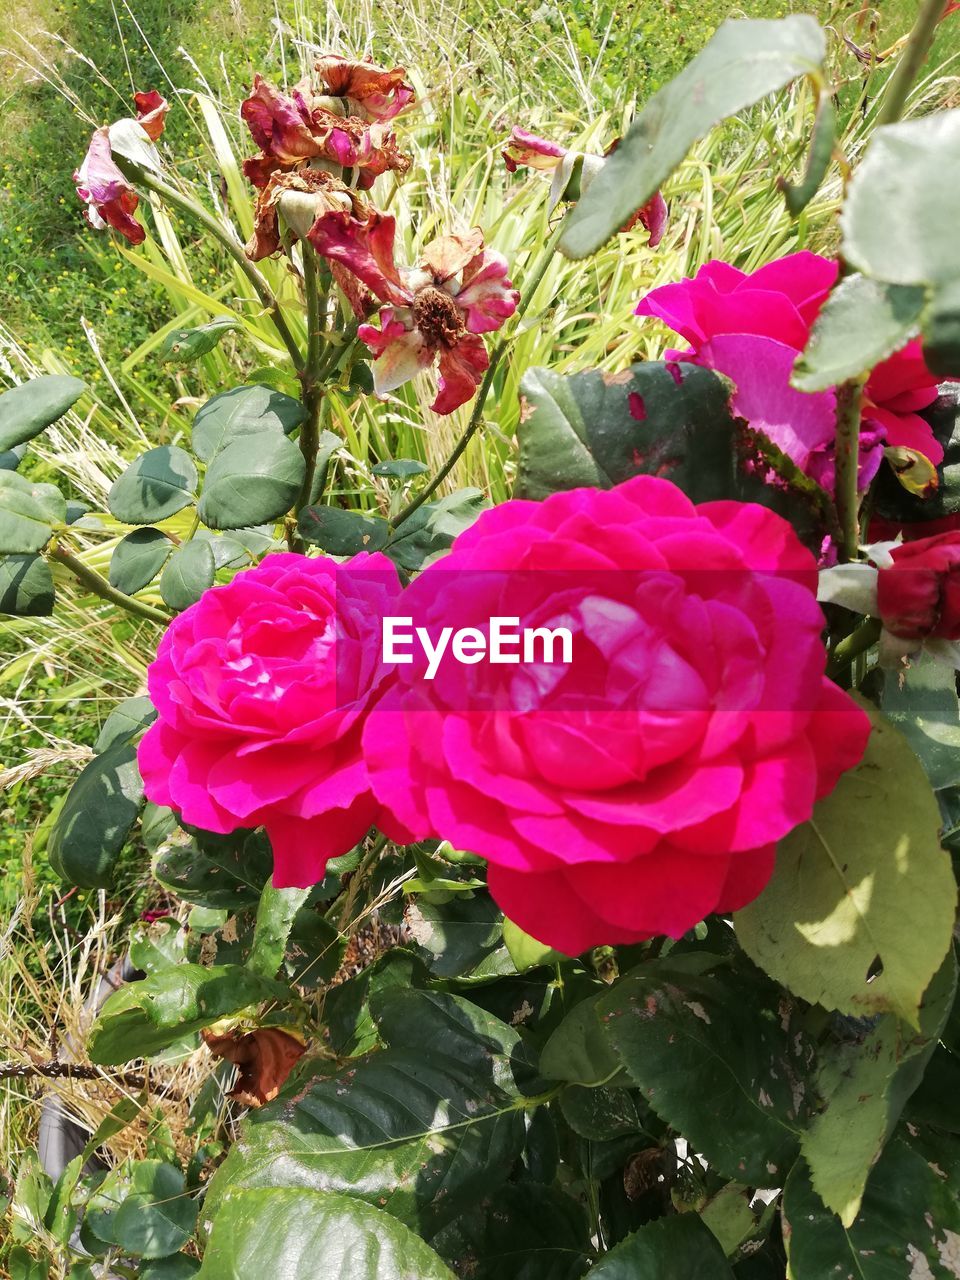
x=530, y=286
x=848, y=467
x=146, y=178
x=54, y=1070
x=99, y=585
x=911, y=62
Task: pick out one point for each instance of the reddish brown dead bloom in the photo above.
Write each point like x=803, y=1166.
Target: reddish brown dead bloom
x=109, y=197
x=265, y=1058
x=379, y=94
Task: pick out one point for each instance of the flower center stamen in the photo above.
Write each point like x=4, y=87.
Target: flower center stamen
x=438, y=317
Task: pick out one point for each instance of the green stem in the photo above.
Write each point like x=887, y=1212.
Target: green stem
x=93, y=581
x=849, y=396
x=911, y=62
x=142, y=177
x=851, y=646
x=530, y=285
x=311, y=376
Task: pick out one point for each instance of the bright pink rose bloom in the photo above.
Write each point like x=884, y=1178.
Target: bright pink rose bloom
x=109, y=197
x=261, y=688
x=751, y=328
x=436, y=310
x=644, y=785
x=918, y=595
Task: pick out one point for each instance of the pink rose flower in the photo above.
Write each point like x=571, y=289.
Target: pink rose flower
x=291, y=131
x=260, y=689
x=109, y=197
x=751, y=328
x=436, y=310
x=528, y=149
x=918, y=593
x=644, y=785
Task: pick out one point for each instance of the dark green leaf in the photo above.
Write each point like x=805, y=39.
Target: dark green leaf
x=342, y=533
x=462, y=937
x=126, y=719
x=217, y=871
x=156, y=485
x=144, y=1017
x=922, y=702
x=26, y=586
x=189, y=573
x=183, y=346
x=798, y=195
x=24, y=518
x=290, y=1232
x=399, y=468
x=601, y=1114
x=276, y=913
x=525, y=1232
x=432, y=528
x=941, y=331
x=10, y=459
x=251, y=480
x=579, y=1051
x=314, y=949
x=742, y=64
x=678, y=1248
x=418, y=1134
x=96, y=817
x=24, y=1266
x=348, y=1024
x=138, y=558
x=861, y=323
x=32, y=406
x=863, y=885
x=144, y=1209
x=179, y=1266
x=730, y=1031
x=243, y=411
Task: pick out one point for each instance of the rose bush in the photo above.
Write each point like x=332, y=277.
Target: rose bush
x=260, y=689
x=663, y=799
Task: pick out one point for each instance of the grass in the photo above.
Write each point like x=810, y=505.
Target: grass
x=82, y=303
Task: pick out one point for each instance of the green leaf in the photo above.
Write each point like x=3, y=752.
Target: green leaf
x=678, y=1248
x=798, y=195
x=941, y=331
x=26, y=586
x=31, y=1197
x=314, y=949
x=92, y=826
x=418, y=1134
x=50, y=500
x=862, y=322
x=10, y=459
x=28, y=409
x=143, y=1208
x=342, y=533
x=222, y=872
x=600, y=1114
x=431, y=529
x=743, y=63
x=526, y=952
x=24, y=518
x=127, y=718
x=138, y=558
x=184, y=346
x=522, y=1232
x=189, y=573
x=908, y=1227
x=579, y=1051
x=157, y=944
x=908, y=171
x=24, y=1266
x=400, y=468
x=731, y=1032
x=240, y=412
x=156, y=485
x=922, y=702
x=461, y=938
x=288, y=1232
x=179, y=1266
x=599, y=429
x=276, y=913
x=866, y=1078
x=863, y=884
x=348, y=1023
x=144, y=1017
x=252, y=480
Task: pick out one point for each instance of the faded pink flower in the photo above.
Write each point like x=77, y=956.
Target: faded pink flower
x=751, y=327
x=573, y=171
x=377, y=93
x=109, y=197
x=435, y=312
x=261, y=688
x=292, y=131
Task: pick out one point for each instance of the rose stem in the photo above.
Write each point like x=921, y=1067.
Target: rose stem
x=848, y=466
x=530, y=286
x=145, y=178
x=914, y=56
x=101, y=587
x=853, y=645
